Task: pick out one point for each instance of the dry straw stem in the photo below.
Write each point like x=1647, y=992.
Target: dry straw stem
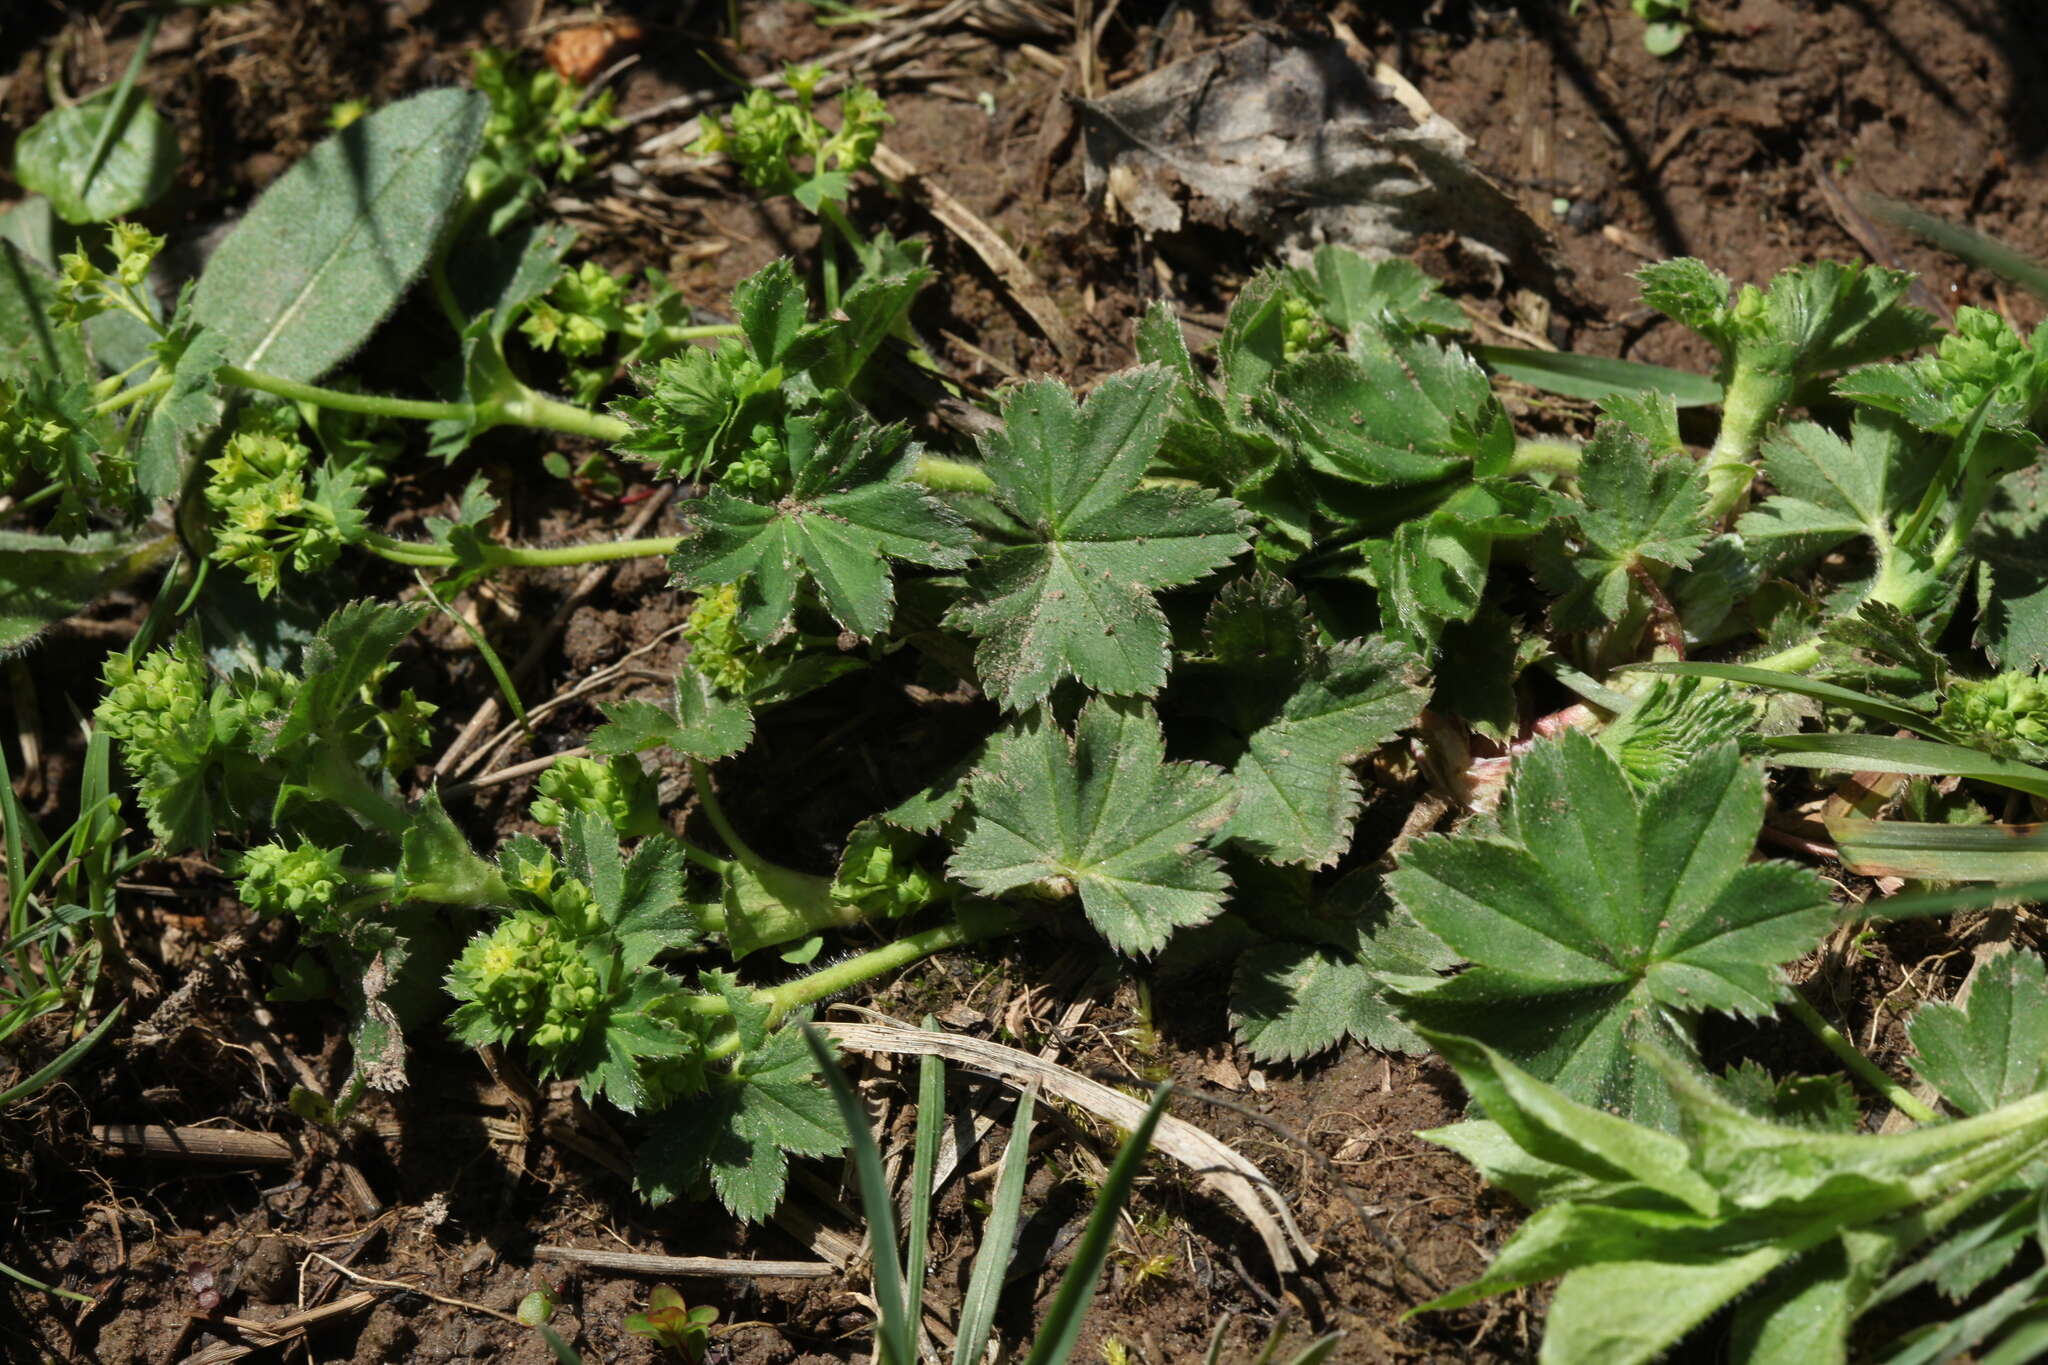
x=998, y=255
x=702, y=1267
x=227, y=1146
x=1219, y=1166
x=268, y=1334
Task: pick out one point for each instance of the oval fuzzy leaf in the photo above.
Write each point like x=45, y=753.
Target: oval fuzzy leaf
x=53, y=158
x=329, y=250
x=44, y=579
x=30, y=343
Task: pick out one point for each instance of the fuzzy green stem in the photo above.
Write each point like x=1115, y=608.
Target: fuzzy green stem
x=986, y=922
x=1544, y=457
x=700, y=782
x=1850, y=1056
x=1756, y=393
x=523, y=408
x=415, y=555
x=978, y=920
x=942, y=475
x=149, y=388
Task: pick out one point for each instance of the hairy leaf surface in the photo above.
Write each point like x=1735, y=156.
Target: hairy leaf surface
x=1104, y=816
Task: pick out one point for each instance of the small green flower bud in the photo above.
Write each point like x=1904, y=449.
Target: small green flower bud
x=303, y=882
x=135, y=246
x=617, y=789
x=2006, y=715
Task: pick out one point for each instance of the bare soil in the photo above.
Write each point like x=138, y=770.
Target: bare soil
x=1726, y=151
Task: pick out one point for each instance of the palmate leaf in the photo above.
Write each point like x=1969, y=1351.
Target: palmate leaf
x=1640, y=511
x=1293, y=1000
x=1304, y=713
x=346, y=653
x=1994, y=1049
x=706, y=724
x=1076, y=598
x=739, y=1137
x=1104, y=816
x=850, y=510
x=1397, y=411
x=1599, y=915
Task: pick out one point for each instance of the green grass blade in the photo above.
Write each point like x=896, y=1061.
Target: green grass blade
x=483, y=648
x=1319, y=1350
x=1928, y=904
x=64, y=1061
x=1913, y=757
x=998, y=1240
x=1964, y=244
x=1952, y=853
x=1062, y=1326
x=895, y=1334
x=12, y=821
x=565, y=1354
x=1594, y=377
x=931, y=1121
x=11, y=1273
x=1891, y=713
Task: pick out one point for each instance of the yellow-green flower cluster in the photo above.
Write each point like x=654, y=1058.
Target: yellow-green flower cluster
x=718, y=650
x=84, y=290
x=2006, y=715
x=303, y=881
x=583, y=309
x=768, y=137
x=530, y=981
x=156, y=704
x=619, y=790
x=1984, y=355
x=264, y=517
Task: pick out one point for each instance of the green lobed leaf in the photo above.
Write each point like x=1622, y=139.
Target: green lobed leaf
x=1597, y=915
x=1103, y=816
x=1398, y=411
x=1351, y=291
x=706, y=724
x=1075, y=598
x=327, y=252
x=1639, y=512
x=350, y=648
x=739, y=1137
x=53, y=157
x=1292, y=1000
x=851, y=510
x=1306, y=712
x=1994, y=1049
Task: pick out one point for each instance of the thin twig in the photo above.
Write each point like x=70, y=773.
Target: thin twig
x=361, y=1278
x=708, y=1267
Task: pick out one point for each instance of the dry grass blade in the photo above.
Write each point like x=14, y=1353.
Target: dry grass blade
x=1218, y=1165
x=225, y=1145
x=997, y=254
x=641, y=1263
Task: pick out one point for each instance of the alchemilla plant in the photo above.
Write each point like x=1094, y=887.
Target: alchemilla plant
x=1217, y=606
